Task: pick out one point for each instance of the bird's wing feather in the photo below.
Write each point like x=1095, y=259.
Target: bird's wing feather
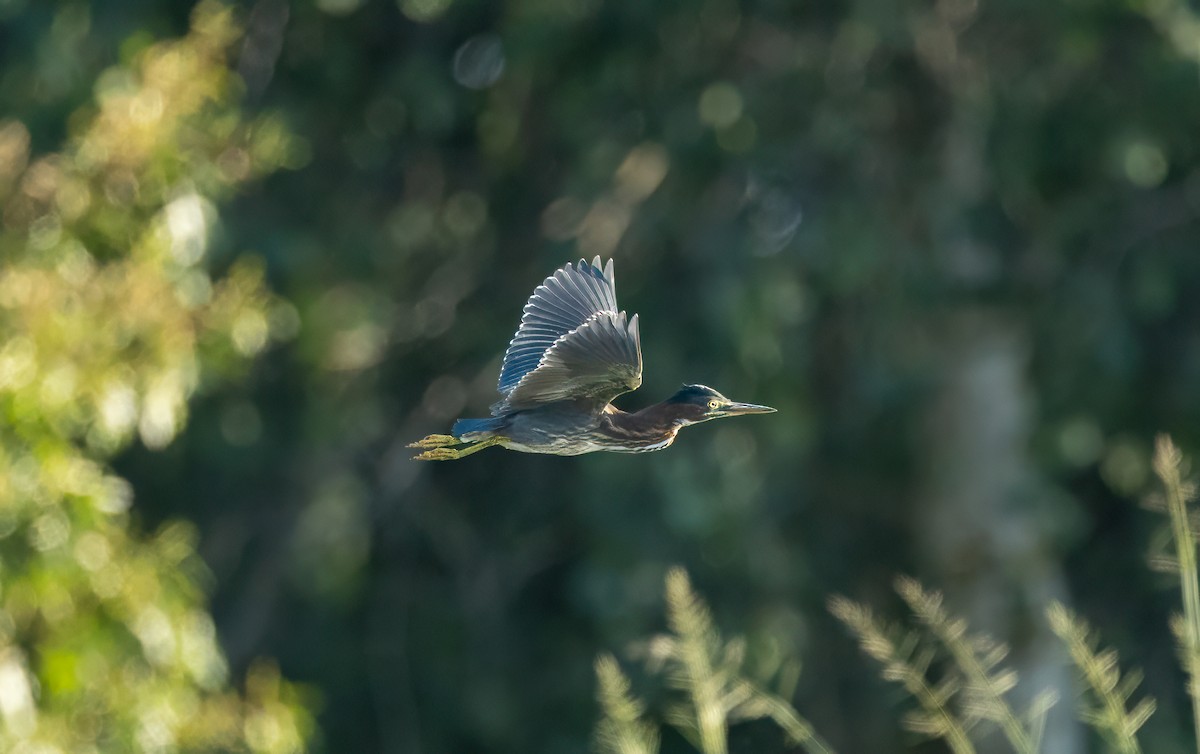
x=566, y=300
x=600, y=359
x=572, y=342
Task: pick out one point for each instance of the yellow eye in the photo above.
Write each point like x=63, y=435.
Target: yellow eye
x=714, y=404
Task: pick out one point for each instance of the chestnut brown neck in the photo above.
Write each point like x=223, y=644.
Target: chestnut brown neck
x=650, y=426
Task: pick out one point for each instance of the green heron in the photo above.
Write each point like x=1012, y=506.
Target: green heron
x=573, y=353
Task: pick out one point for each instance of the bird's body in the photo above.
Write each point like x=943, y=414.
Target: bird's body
x=571, y=428
x=572, y=354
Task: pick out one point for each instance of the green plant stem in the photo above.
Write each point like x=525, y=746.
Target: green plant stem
x=1166, y=464
x=710, y=718
x=796, y=727
x=955, y=735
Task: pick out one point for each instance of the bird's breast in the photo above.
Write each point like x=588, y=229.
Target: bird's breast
x=658, y=445
x=637, y=442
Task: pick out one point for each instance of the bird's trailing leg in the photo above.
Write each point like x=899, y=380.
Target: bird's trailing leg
x=439, y=449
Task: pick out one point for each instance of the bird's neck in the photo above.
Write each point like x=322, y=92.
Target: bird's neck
x=651, y=424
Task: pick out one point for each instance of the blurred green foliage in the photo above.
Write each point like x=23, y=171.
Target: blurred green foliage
x=110, y=323
x=837, y=209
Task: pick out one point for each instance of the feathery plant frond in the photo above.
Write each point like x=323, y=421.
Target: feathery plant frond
x=1102, y=674
x=978, y=658
x=622, y=729
x=1189, y=658
x=696, y=645
x=709, y=672
x=906, y=662
x=1168, y=461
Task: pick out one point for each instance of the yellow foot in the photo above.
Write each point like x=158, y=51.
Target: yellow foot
x=435, y=441
x=439, y=452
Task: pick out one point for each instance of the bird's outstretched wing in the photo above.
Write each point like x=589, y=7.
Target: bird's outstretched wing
x=572, y=342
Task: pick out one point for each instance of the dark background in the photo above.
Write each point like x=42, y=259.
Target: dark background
x=954, y=243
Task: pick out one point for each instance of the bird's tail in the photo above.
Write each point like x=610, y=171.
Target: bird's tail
x=471, y=430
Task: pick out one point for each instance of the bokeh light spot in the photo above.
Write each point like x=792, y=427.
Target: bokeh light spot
x=357, y=348
x=73, y=198
x=14, y=151
x=118, y=408
x=1125, y=467
x=50, y=530
x=199, y=651
x=194, y=289
x=1080, y=441
x=146, y=107
x=720, y=105
x=76, y=265
x=465, y=213
x=410, y=224
x=116, y=495
x=641, y=172
x=92, y=551
x=249, y=332
x=479, y=62
x=161, y=407
x=1145, y=164
x=16, y=695
x=424, y=11
x=775, y=216
x=284, y=320
x=263, y=732
x=603, y=227
x=153, y=629
x=790, y=300
x=45, y=232
x=234, y=164
x=18, y=363
x=58, y=386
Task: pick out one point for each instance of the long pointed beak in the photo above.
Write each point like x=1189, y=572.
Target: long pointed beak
x=737, y=409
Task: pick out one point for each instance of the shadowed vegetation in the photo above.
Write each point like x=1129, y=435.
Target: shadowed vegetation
x=957, y=679
x=250, y=251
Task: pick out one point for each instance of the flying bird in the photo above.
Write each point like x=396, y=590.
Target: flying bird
x=573, y=353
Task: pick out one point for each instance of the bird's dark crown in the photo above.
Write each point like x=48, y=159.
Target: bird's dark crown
x=693, y=403
x=696, y=395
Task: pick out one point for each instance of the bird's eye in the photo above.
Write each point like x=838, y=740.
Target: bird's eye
x=713, y=405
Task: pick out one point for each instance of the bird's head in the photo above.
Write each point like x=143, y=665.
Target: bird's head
x=699, y=403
